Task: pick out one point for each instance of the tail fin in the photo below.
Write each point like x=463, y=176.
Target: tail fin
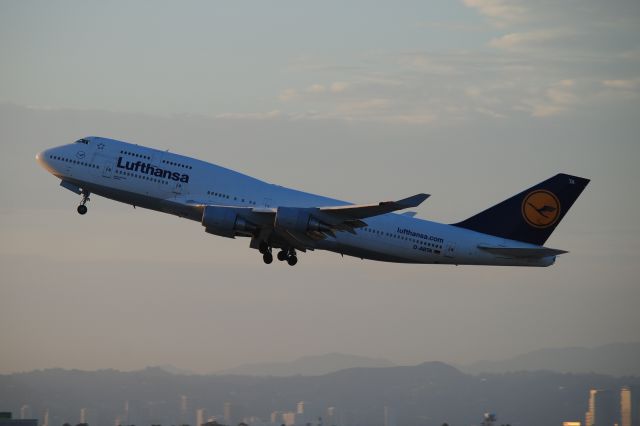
x=532, y=215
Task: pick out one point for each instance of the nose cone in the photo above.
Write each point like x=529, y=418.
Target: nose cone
x=43, y=159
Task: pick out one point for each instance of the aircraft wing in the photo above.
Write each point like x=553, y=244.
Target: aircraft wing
x=326, y=221
x=299, y=227
x=534, y=252
x=367, y=210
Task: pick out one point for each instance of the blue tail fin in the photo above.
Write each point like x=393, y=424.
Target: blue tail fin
x=532, y=215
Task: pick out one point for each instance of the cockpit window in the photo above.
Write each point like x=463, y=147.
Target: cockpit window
x=84, y=141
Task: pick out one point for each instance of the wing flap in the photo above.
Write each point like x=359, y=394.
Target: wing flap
x=533, y=252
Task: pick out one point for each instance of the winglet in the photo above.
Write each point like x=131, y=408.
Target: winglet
x=414, y=201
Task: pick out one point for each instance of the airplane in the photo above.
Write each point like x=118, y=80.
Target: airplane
x=230, y=204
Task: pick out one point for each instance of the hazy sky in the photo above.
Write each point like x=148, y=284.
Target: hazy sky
x=469, y=101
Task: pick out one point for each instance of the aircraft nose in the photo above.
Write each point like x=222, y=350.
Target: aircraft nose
x=43, y=159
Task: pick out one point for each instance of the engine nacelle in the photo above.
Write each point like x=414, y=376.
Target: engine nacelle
x=299, y=220
x=225, y=222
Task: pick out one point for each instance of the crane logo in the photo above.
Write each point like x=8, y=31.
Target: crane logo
x=541, y=209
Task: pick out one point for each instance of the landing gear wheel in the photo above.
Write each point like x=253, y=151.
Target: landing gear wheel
x=263, y=247
x=292, y=260
x=82, y=209
x=267, y=258
x=282, y=255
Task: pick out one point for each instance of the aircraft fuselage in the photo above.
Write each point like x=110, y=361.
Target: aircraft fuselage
x=185, y=187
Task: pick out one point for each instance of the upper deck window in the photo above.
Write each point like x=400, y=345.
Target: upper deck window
x=84, y=141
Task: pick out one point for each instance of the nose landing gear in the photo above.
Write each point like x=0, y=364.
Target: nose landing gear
x=82, y=208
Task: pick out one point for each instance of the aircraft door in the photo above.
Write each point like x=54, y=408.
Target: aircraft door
x=107, y=169
x=106, y=166
x=179, y=188
x=450, y=249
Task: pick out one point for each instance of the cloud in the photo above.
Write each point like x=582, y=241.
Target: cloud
x=415, y=118
x=489, y=112
x=631, y=84
x=452, y=26
x=501, y=12
x=339, y=87
x=556, y=99
x=592, y=13
x=585, y=26
x=250, y=115
x=364, y=106
x=620, y=90
x=427, y=63
x=531, y=39
x=316, y=88
x=547, y=59
x=631, y=55
x=288, y=95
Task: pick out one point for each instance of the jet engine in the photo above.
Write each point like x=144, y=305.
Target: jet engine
x=226, y=222
x=300, y=220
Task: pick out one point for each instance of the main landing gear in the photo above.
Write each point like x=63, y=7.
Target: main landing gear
x=82, y=208
x=285, y=254
x=288, y=255
x=265, y=249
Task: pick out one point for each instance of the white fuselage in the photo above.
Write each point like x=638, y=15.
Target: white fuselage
x=172, y=183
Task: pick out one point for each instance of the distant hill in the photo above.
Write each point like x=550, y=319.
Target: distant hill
x=428, y=394
x=308, y=366
x=616, y=359
x=169, y=368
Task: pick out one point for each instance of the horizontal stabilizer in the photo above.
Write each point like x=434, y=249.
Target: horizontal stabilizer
x=535, y=252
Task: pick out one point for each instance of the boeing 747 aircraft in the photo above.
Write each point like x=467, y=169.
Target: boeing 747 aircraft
x=231, y=204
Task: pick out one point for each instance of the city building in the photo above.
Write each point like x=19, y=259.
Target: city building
x=275, y=417
x=489, y=419
x=630, y=406
x=289, y=418
x=6, y=419
x=184, y=405
x=228, y=413
x=25, y=412
x=199, y=416
x=332, y=417
x=389, y=416
x=603, y=408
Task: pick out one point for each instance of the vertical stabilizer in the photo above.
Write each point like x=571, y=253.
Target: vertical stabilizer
x=532, y=215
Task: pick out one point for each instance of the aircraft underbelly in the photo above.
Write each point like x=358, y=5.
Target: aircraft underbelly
x=140, y=200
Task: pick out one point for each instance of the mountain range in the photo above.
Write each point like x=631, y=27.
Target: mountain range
x=616, y=359
x=428, y=394
x=314, y=365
